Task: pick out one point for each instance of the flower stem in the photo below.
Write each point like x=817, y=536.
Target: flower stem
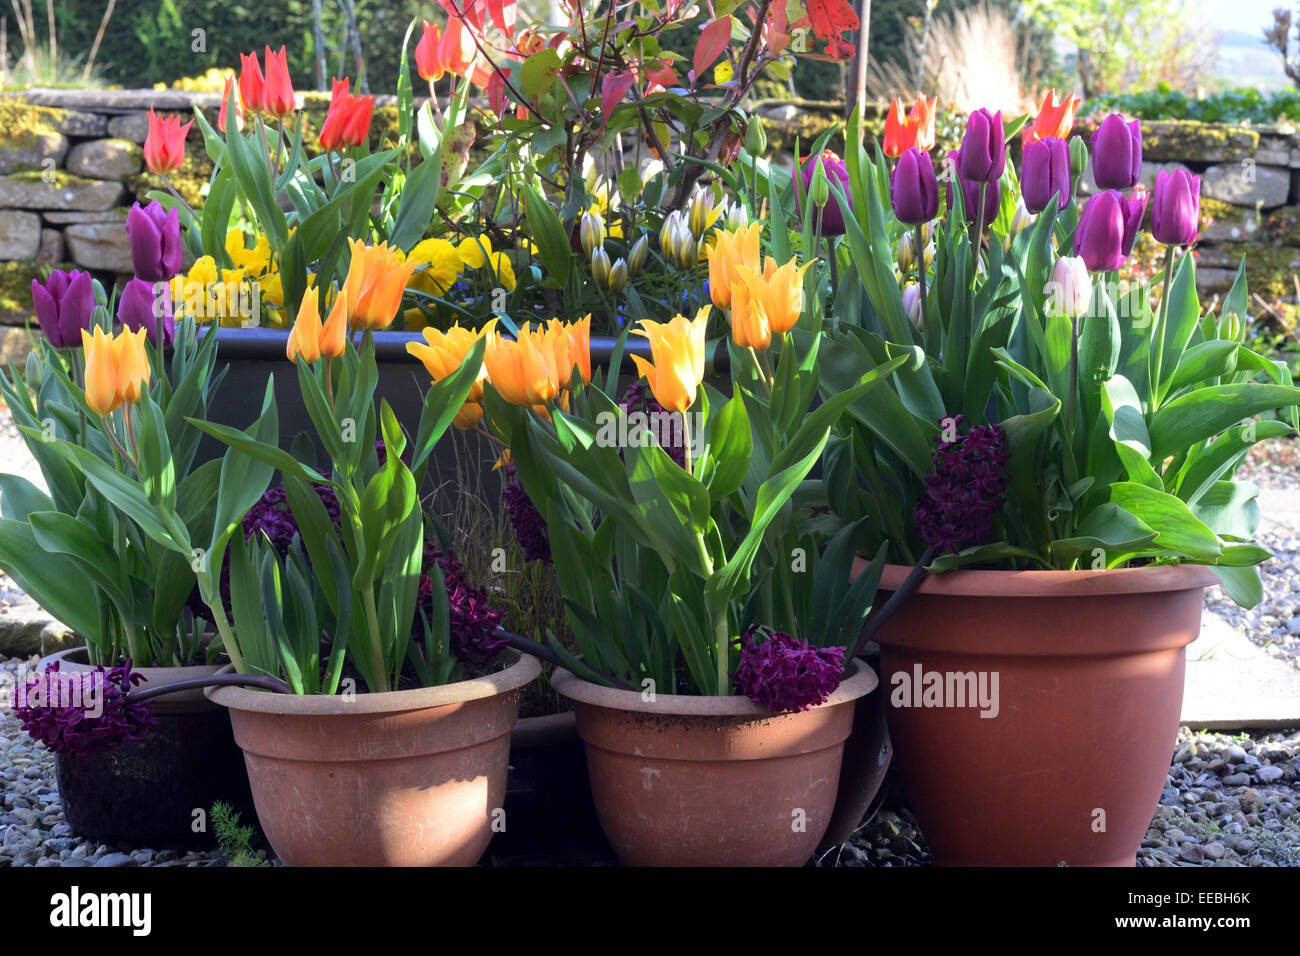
x=890, y=607
x=920, y=267
x=1158, y=334
x=686, y=444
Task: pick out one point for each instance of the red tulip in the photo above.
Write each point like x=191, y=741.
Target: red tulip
x=277, y=94
x=348, y=121
x=251, y=82
x=164, y=147
x=428, y=53
x=239, y=107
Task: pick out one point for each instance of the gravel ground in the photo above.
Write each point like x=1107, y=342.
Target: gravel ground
x=1274, y=463
x=1274, y=623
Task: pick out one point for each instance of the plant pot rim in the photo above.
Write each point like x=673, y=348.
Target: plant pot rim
x=152, y=674
x=998, y=584
x=861, y=681
x=523, y=669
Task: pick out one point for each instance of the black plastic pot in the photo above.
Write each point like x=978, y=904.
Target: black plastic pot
x=159, y=790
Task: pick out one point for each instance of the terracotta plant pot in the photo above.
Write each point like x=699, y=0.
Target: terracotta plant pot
x=712, y=781
x=147, y=791
x=1069, y=763
x=407, y=778
x=867, y=758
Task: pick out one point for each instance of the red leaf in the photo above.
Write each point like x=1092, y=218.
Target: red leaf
x=612, y=89
x=504, y=13
x=496, y=91
x=713, y=40
x=830, y=18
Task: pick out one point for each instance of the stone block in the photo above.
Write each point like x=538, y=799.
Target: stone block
x=42, y=150
x=1247, y=184
x=51, y=249
x=20, y=234
x=65, y=193
x=130, y=126
x=105, y=159
x=99, y=245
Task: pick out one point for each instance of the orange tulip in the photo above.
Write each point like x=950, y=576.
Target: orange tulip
x=571, y=345
x=428, y=53
x=730, y=250
x=374, y=285
x=677, y=351
x=239, y=107
x=348, y=121
x=1055, y=118
x=117, y=368
x=309, y=340
x=441, y=52
x=523, y=370
x=442, y=353
x=917, y=129
x=277, y=93
x=251, y=82
x=778, y=290
x=750, y=328
x=164, y=147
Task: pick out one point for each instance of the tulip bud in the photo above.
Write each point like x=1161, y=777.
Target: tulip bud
x=930, y=251
x=1046, y=173
x=591, y=232
x=617, y=279
x=600, y=267
x=1078, y=157
x=983, y=148
x=905, y=252
x=755, y=138
x=1176, y=208
x=820, y=190
x=912, y=304
x=1069, y=291
x=1117, y=153
x=1099, y=237
x=914, y=188
x=1019, y=222
x=636, y=258
x=700, y=211
x=1230, y=327
x=737, y=217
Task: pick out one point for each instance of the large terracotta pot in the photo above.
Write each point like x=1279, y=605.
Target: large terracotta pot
x=147, y=791
x=712, y=781
x=1068, y=765
x=407, y=778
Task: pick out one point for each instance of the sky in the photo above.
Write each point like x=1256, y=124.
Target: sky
x=1243, y=58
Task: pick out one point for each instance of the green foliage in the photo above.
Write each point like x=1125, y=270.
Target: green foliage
x=234, y=841
x=1231, y=106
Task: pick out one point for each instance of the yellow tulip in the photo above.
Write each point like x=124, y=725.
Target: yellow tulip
x=677, y=350
x=779, y=289
x=117, y=368
x=730, y=251
x=523, y=370
x=750, y=328
x=374, y=285
x=442, y=353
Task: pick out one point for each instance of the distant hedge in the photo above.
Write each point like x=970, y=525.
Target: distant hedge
x=1232, y=106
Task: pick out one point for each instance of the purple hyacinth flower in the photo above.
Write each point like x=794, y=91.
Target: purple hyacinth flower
x=786, y=674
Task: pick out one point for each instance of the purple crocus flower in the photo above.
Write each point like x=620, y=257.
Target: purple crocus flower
x=786, y=674
x=964, y=489
x=1117, y=153
x=155, y=235
x=64, y=306
x=148, y=305
x=83, y=713
x=970, y=191
x=983, y=148
x=914, y=189
x=1176, y=208
x=1046, y=173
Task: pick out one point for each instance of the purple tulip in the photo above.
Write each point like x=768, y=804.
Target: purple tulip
x=1176, y=208
x=970, y=191
x=1117, y=153
x=1046, y=173
x=983, y=148
x=914, y=188
x=143, y=305
x=836, y=174
x=64, y=306
x=1100, y=237
x=155, y=241
x=1135, y=209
